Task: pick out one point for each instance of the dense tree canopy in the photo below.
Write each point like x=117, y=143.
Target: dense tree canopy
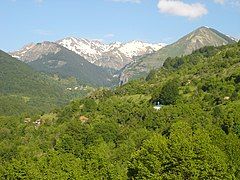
x=119, y=135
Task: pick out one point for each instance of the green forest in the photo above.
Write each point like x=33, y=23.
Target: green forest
x=23, y=90
x=118, y=134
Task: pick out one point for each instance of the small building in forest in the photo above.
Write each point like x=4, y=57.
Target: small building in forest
x=158, y=106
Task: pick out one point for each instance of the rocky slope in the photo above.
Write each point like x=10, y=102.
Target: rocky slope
x=53, y=58
x=32, y=52
x=115, y=55
x=203, y=36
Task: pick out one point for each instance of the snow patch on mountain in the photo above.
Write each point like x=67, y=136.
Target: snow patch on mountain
x=136, y=48
x=115, y=55
x=89, y=49
x=233, y=38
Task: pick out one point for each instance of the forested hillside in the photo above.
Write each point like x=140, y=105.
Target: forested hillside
x=23, y=90
x=52, y=58
x=201, y=37
x=120, y=135
x=67, y=63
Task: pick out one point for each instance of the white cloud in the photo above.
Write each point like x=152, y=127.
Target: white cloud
x=180, y=8
x=131, y=1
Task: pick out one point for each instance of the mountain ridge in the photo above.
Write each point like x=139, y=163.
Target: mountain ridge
x=32, y=52
x=114, y=55
x=24, y=89
x=52, y=58
x=202, y=36
x=182, y=122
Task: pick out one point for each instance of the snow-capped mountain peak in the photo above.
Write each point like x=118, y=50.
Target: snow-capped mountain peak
x=89, y=49
x=137, y=48
x=115, y=55
x=103, y=54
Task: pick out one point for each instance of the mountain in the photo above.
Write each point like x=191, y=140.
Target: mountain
x=203, y=36
x=122, y=134
x=53, y=58
x=32, y=52
x=24, y=90
x=115, y=55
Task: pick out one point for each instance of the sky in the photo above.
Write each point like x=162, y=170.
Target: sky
x=155, y=21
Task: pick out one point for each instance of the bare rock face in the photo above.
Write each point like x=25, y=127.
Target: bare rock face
x=115, y=55
x=52, y=58
x=33, y=52
x=201, y=37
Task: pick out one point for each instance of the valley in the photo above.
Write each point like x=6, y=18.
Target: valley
x=120, y=133
x=120, y=90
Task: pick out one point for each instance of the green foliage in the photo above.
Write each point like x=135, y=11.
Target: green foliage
x=24, y=90
x=119, y=135
x=207, y=51
x=184, y=156
x=173, y=63
x=151, y=75
x=168, y=94
x=195, y=40
x=74, y=66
